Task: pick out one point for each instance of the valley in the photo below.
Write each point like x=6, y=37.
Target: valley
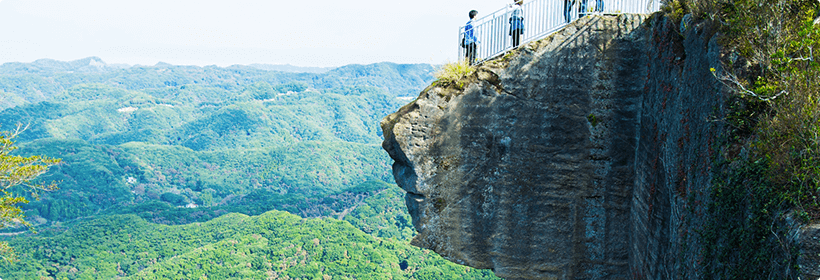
x=185, y=172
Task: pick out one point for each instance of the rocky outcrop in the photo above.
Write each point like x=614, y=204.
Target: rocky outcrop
x=575, y=157
x=529, y=170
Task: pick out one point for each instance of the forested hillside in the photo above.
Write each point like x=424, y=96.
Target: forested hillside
x=193, y=136
x=274, y=245
x=154, y=156
x=41, y=80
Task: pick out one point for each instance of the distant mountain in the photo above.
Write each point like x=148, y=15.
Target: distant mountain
x=22, y=83
x=49, y=66
x=291, y=68
x=209, y=136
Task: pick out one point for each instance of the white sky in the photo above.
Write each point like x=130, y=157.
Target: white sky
x=207, y=32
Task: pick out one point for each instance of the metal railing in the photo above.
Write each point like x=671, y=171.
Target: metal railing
x=542, y=18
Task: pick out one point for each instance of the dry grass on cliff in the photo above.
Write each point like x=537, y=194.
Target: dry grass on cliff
x=454, y=72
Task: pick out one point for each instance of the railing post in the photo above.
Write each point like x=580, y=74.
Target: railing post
x=460, y=47
x=576, y=10
x=542, y=22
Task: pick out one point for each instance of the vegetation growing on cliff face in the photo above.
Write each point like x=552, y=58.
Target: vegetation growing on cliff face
x=770, y=168
x=772, y=67
x=454, y=73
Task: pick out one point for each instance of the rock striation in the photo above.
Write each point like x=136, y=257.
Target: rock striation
x=529, y=170
x=572, y=157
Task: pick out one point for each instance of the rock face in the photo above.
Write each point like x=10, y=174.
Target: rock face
x=810, y=252
x=530, y=170
x=572, y=158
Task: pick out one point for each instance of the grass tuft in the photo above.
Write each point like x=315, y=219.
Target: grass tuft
x=453, y=72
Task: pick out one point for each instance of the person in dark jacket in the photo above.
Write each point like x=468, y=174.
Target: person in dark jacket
x=516, y=23
x=568, y=10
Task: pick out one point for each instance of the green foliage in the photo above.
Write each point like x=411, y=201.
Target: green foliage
x=789, y=135
x=675, y=9
x=593, y=120
x=346, y=114
x=141, y=144
x=777, y=105
x=127, y=137
x=293, y=178
x=384, y=214
x=173, y=199
x=37, y=82
x=454, y=72
x=769, y=171
x=16, y=176
x=291, y=87
x=234, y=246
x=746, y=233
x=264, y=91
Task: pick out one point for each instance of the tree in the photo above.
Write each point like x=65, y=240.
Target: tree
x=16, y=176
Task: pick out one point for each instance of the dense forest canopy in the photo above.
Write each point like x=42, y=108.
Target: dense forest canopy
x=161, y=165
x=203, y=136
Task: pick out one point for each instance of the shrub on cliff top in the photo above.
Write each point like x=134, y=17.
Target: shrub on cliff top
x=453, y=72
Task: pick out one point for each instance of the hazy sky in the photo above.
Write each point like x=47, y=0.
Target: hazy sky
x=206, y=32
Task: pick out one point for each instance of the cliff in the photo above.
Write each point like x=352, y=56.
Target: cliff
x=585, y=155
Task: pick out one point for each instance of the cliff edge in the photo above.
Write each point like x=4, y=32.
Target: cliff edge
x=578, y=156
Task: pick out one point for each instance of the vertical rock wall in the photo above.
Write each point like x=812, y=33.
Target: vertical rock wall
x=585, y=155
x=682, y=133
x=679, y=129
x=528, y=170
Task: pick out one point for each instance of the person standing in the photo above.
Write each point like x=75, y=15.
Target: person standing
x=568, y=10
x=469, y=42
x=582, y=8
x=516, y=22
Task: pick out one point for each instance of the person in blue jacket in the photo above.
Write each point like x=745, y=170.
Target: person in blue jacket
x=516, y=23
x=470, y=41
